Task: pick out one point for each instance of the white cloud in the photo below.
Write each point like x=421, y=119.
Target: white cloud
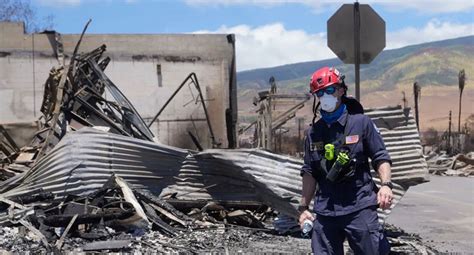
x=422, y=6
x=78, y=2
x=60, y=2
x=428, y=6
x=434, y=30
x=273, y=45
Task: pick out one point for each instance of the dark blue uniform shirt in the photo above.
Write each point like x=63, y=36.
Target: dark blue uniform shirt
x=364, y=141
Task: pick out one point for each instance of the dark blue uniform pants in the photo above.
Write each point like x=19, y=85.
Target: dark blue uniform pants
x=362, y=230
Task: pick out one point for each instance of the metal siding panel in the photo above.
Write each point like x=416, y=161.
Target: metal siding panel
x=85, y=159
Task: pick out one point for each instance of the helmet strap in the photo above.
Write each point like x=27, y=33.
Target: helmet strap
x=344, y=86
x=315, y=108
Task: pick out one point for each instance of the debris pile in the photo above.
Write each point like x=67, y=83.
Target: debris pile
x=445, y=165
x=404, y=243
x=93, y=178
x=115, y=217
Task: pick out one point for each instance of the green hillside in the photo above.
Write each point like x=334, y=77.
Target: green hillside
x=434, y=63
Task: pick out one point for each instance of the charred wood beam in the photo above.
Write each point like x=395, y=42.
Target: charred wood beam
x=38, y=196
x=169, y=215
x=54, y=112
x=148, y=197
x=63, y=220
x=153, y=217
x=183, y=205
x=60, y=242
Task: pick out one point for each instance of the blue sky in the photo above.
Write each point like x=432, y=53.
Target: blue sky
x=269, y=32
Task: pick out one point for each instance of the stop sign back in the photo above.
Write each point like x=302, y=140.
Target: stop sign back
x=340, y=29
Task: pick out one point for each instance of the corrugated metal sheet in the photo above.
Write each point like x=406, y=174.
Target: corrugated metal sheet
x=402, y=140
x=85, y=159
x=401, y=137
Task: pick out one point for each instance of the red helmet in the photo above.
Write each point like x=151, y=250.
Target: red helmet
x=324, y=77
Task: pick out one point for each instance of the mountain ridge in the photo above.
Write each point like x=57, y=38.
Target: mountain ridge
x=462, y=50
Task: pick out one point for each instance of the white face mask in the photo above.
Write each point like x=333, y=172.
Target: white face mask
x=328, y=102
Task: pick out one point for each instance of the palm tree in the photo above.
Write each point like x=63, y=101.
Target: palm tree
x=462, y=79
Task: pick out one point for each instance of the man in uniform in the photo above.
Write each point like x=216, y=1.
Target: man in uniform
x=337, y=148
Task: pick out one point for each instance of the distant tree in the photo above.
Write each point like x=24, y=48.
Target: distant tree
x=462, y=81
x=22, y=11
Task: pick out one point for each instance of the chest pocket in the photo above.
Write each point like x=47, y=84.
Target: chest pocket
x=351, y=140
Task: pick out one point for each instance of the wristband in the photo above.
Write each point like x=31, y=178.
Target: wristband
x=388, y=184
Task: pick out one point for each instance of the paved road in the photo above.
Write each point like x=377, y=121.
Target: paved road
x=441, y=212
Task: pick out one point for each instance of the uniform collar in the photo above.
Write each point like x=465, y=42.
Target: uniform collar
x=343, y=118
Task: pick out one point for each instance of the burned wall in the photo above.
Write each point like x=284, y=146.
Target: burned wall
x=147, y=68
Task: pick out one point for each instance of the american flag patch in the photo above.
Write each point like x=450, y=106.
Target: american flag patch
x=352, y=139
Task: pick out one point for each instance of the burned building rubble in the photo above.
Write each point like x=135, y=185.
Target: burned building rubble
x=445, y=165
x=93, y=177
x=148, y=68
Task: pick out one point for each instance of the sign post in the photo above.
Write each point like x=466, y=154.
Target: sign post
x=357, y=49
x=356, y=34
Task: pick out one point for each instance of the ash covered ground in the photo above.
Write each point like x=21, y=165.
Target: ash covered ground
x=220, y=240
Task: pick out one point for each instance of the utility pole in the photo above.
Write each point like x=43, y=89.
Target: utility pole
x=449, y=134
x=462, y=79
x=417, y=95
x=405, y=103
